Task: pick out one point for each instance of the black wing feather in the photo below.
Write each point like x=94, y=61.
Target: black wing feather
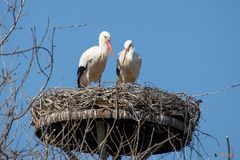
x=118, y=68
x=80, y=71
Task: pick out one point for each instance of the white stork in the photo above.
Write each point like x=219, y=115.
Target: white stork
x=128, y=64
x=93, y=61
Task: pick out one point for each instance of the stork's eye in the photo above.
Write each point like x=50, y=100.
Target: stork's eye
x=105, y=37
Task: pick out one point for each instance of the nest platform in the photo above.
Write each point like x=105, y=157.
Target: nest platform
x=138, y=120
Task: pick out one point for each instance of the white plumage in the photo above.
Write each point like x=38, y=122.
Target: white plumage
x=93, y=61
x=128, y=64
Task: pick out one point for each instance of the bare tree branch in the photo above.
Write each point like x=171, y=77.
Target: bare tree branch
x=15, y=21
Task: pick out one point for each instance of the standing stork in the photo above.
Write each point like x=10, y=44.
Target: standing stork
x=93, y=61
x=128, y=64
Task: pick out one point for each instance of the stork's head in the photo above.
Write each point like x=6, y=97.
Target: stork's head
x=128, y=45
x=105, y=38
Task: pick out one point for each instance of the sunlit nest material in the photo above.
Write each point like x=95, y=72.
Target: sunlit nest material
x=139, y=120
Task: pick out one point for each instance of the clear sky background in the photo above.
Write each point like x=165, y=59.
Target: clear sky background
x=186, y=46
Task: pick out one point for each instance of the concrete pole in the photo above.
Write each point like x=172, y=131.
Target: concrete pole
x=101, y=134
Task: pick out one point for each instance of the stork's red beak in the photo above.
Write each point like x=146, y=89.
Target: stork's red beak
x=109, y=47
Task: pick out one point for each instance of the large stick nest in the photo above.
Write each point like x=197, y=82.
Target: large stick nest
x=157, y=116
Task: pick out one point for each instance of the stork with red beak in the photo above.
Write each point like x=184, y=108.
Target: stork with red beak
x=128, y=64
x=93, y=61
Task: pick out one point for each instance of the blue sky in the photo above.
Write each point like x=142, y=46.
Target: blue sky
x=186, y=46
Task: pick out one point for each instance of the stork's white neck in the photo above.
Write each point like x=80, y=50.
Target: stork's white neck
x=131, y=51
x=103, y=47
